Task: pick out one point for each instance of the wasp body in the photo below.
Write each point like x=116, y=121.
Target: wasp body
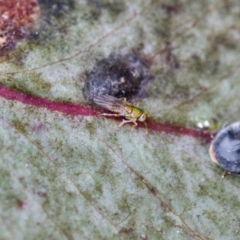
x=121, y=107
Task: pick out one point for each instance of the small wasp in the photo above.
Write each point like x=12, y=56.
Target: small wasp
x=121, y=107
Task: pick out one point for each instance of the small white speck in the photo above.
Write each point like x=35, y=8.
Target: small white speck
x=5, y=16
x=122, y=79
x=206, y=123
x=203, y=124
x=143, y=236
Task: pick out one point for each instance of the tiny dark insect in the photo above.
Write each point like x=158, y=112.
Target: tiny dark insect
x=225, y=149
x=121, y=107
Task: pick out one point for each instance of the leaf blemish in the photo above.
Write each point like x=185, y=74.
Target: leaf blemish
x=119, y=76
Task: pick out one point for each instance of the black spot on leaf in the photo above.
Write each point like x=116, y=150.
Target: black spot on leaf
x=119, y=76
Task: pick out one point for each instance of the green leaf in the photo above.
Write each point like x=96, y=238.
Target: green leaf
x=66, y=175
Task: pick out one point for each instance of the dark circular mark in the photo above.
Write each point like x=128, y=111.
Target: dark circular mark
x=225, y=148
x=56, y=17
x=119, y=76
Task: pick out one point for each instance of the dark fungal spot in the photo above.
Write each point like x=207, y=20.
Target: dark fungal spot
x=56, y=17
x=226, y=148
x=119, y=76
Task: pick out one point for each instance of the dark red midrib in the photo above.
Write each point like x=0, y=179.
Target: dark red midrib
x=74, y=110
x=70, y=109
x=175, y=129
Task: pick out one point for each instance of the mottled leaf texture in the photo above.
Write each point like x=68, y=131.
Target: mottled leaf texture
x=67, y=172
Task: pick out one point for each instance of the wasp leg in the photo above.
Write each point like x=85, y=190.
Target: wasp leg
x=123, y=99
x=225, y=173
x=111, y=114
x=128, y=121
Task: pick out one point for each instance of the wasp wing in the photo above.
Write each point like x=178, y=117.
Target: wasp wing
x=111, y=103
